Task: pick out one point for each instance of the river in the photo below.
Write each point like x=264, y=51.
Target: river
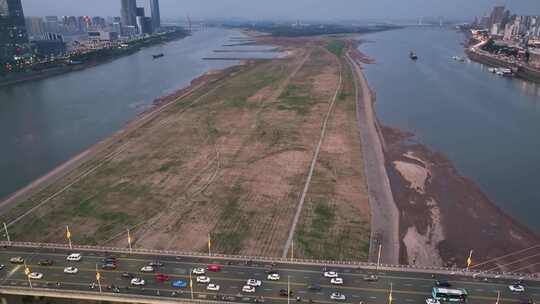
x=46, y=122
x=488, y=126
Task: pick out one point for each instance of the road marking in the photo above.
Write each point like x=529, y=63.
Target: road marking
x=409, y=285
x=479, y=289
x=372, y=297
x=356, y=296
x=268, y=289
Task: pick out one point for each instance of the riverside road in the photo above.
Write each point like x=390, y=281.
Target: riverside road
x=409, y=286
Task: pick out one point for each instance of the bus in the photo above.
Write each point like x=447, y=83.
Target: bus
x=449, y=294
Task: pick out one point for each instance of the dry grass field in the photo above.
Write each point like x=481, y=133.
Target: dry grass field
x=230, y=161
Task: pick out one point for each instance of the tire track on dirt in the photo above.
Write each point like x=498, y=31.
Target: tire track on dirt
x=312, y=168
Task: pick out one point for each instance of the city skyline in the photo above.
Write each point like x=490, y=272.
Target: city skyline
x=382, y=9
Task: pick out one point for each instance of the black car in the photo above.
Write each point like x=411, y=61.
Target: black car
x=45, y=263
x=108, y=266
x=155, y=264
x=283, y=293
x=314, y=287
x=441, y=283
x=128, y=275
x=110, y=260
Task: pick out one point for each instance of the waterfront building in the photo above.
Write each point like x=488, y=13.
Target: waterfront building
x=13, y=33
x=156, y=15
x=128, y=11
x=35, y=26
x=52, y=24
x=534, y=58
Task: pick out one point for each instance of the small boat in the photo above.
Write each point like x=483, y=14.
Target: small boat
x=492, y=70
x=505, y=72
x=458, y=58
x=156, y=56
x=413, y=56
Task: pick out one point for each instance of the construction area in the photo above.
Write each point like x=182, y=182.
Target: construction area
x=263, y=158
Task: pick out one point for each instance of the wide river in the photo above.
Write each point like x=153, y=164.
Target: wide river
x=487, y=125
x=46, y=122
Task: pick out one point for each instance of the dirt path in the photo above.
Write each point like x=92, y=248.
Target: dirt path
x=384, y=213
x=311, y=169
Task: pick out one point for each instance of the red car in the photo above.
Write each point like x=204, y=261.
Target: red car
x=214, y=267
x=160, y=277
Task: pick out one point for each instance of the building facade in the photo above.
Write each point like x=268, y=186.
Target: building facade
x=156, y=15
x=13, y=33
x=128, y=12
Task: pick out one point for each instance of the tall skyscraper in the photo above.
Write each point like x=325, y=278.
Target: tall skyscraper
x=128, y=11
x=156, y=16
x=12, y=28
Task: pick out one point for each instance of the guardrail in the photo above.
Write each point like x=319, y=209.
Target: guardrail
x=313, y=262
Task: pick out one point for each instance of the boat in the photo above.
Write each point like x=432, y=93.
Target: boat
x=505, y=72
x=413, y=56
x=492, y=70
x=156, y=56
x=458, y=58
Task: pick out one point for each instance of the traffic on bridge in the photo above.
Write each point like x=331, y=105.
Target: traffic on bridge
x=243, y=281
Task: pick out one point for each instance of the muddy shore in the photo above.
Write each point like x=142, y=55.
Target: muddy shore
x=444, y=215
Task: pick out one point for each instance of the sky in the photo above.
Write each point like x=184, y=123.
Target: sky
x=289, y=9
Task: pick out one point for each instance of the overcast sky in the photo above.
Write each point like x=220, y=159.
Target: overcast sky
x=289, y=9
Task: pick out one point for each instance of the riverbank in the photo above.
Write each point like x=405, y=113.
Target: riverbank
x=443, y=215
x=159, y=104
x=86, y=61
x=522, y=71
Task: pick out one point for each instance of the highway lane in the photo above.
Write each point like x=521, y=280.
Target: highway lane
x=408, y=287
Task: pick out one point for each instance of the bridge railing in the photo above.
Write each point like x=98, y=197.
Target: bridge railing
x=328, y=263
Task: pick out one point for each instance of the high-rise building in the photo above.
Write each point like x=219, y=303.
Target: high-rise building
x=497, y=15
x=144, y=24
x=35, y=26
x=156, y=15
x=12, y=28
x=128, y=11
x=52, y=24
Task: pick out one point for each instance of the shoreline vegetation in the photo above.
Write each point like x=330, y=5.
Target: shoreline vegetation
x=247, y=135
x=87, y=60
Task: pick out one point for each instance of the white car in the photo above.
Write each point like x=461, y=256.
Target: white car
x=212, y=287
x=254, y=283
x=198, y=271
x=516, y=288
x=35, y=276
x=338, y=296
x=74, y=257
x=432, y=301
x=137, y=282
x=71, y=270
x=273, y=277
x=147, y=269
x=203, y=279
x=336, y=281
x=248, y=289
x=330, y=274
